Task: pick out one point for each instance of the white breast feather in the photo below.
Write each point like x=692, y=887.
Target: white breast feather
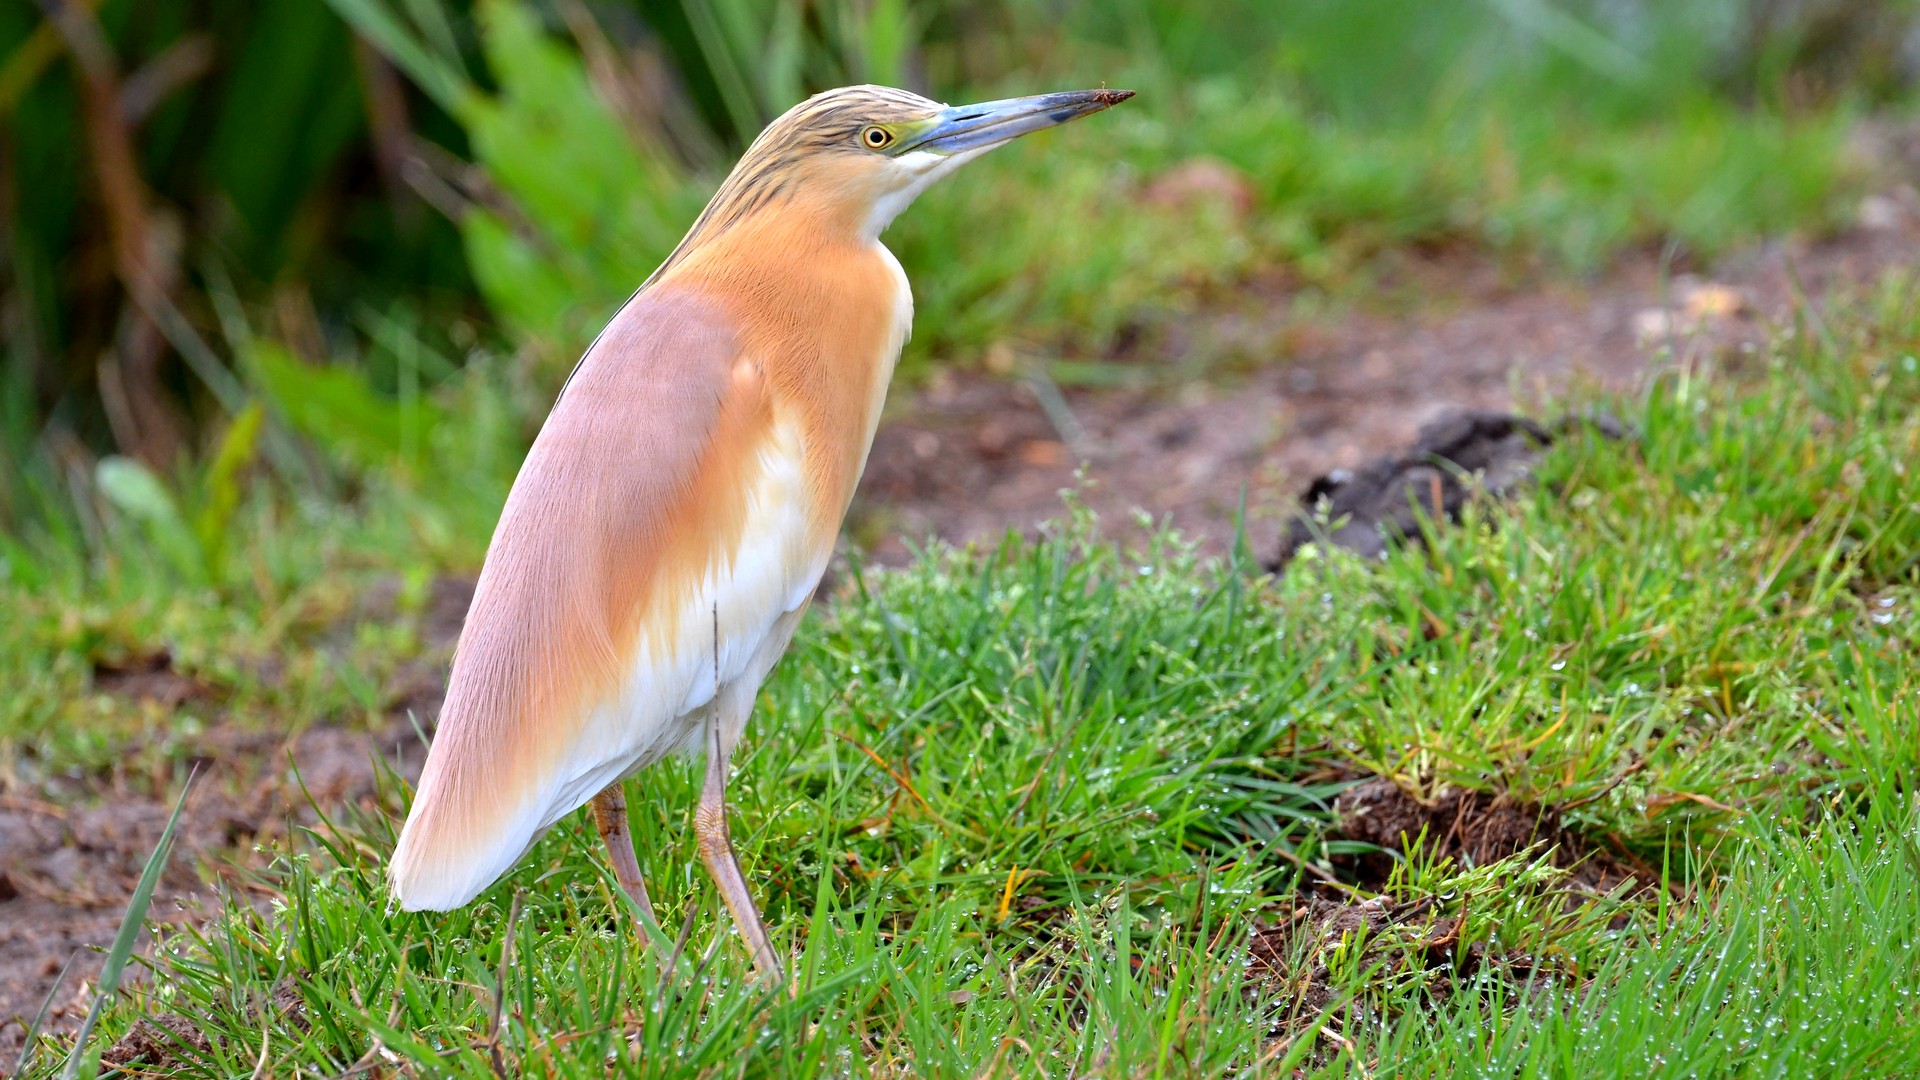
x=902, y=331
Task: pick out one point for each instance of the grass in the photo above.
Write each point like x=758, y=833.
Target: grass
x=1054, y=807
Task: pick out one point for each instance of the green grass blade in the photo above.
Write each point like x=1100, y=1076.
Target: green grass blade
x=123, y=940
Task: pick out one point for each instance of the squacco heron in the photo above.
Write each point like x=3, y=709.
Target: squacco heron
x=677, y=510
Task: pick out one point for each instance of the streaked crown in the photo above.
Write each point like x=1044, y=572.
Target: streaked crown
x=858, y=155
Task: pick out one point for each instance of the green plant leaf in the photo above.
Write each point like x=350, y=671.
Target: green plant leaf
x=221, y=489
x=135, y=491
x=424, y=61
x=336, y=408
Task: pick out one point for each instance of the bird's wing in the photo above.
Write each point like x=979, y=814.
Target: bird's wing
x=665, y=494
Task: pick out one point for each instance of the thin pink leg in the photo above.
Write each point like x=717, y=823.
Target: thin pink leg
x=610, y=817
x=716, y=851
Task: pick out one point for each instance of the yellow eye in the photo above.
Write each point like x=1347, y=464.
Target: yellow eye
x=876, y=138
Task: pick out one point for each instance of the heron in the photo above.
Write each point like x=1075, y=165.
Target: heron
x=673, y=518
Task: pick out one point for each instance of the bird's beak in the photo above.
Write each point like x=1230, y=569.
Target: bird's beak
x=990, y=123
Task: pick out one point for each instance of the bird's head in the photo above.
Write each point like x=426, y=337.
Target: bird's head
x=862, y=153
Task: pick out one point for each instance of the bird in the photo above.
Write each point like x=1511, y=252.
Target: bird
x=677, y=510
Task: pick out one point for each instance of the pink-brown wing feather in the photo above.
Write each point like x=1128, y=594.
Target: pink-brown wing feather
x=632, y=489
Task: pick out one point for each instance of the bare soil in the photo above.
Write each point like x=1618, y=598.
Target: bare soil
x=67, y=869
x=965, y=458
x=971, y=455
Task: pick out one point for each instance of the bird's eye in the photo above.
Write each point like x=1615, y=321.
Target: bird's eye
x=876, y=138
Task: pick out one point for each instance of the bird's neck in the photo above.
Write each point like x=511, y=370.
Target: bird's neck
x=787, y=250
x=824, y=311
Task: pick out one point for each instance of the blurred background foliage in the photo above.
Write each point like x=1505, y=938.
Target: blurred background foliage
x=351, y=246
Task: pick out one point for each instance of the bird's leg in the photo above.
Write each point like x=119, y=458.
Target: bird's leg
x=716, y=850
x=610, y=817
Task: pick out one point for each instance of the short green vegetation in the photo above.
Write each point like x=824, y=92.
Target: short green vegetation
x=1054, y=807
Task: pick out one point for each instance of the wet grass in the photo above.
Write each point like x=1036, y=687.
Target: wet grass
x=1060, y=808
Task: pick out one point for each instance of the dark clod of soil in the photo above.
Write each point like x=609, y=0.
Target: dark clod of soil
x=1474, y=827
x=150, y=678
x=1292, y=949
x=160, y=1041
x=156, y=1042
x=1291, y=953
x=1292, y=944
x=1455, y=459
